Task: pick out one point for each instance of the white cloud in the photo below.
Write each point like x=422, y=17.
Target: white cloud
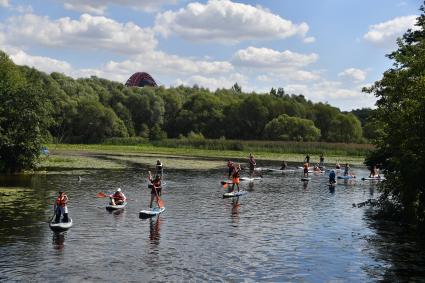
x=44, y=64
x=88, y=32
x=226, y=22
x=4, y=3
x=213, y=83
x=100, y=6
x=387, y=32
x=162, y=63
x=309, y=39
x=266, y=58
x=356, y=74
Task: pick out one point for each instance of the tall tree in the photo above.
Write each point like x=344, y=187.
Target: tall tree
x=400, y=147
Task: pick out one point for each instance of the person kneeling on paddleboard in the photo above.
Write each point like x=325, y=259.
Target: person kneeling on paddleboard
x=332, y=176
x=61, y=208
x=284, y=165
x=155, y=186
x=235, y=177
x=118, y=198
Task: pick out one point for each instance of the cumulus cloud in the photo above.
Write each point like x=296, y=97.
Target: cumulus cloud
x=162, y=63
x=227, y=22
x=213, y=83
x=266, y=58
x=44, y=64
x=355, y=74
x=309, y=39
x=88, y=32
x=100, y=6
x=4, y=3
x=387, y=32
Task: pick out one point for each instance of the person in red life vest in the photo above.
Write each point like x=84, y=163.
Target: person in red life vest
x=235, y=177
x=61, y=208
x=231, y=167
x=118, y=198
x=306, y=170
x=156, y=187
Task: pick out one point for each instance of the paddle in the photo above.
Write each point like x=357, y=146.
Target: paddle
x=159, y=201
x=103, y=195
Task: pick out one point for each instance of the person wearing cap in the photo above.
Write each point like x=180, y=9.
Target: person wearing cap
x=118, y=198
x=159, y=168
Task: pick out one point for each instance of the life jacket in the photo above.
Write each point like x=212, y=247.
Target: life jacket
x=157, y=183
x=118, y=196
x=61, y=200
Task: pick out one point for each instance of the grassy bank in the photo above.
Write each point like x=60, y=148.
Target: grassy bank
x=107, y=156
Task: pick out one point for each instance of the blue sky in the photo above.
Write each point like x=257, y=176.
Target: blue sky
x=326, y=50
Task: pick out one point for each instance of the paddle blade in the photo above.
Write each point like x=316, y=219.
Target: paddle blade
x=102, y=195
x=160, y=203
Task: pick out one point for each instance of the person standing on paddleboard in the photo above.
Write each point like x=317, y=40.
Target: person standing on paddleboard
x=332, y=176
x=61, y=207
x=118, y=198
x=252, y=164
x=346, y=169
x=155, y=186
x=230, y=167
x=159, y=168
x=321, y=160
x=306, y=170
x=307, y=160
x=284, y=165
x=235, y=177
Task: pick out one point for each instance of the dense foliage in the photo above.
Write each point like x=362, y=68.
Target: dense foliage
x=24, y=116
x=400, y=147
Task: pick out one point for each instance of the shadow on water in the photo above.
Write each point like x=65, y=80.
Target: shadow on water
x=400, y=246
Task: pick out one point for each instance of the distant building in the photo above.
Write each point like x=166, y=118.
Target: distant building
x=141, y=79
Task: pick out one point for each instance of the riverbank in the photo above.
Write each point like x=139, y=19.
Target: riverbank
x=82, y=157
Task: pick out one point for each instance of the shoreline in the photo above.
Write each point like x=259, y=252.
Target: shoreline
x=87, y=157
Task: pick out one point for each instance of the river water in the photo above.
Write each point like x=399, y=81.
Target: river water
x=283, y=230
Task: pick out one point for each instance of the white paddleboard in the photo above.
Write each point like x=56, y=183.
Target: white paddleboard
x=61, y=226
x=373, y=178
x=247, y=179
x=151, y=212
x=234, y=194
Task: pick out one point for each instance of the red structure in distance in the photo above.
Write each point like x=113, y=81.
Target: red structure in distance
x=141, y=79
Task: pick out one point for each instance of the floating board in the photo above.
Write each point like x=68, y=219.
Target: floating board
x=151, y=212
x=234, y=194
x=345, y=177
x=111, y=207
x=61, y=226
x=279, y=170
x=373, y=178
x=247, y=179
x=305, y=179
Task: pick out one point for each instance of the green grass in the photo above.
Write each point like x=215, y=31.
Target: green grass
x=106, y=156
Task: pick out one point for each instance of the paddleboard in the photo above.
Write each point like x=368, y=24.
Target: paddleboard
x=234, y=194
x=373, y=178
x=111, y=207
x=247, y=179
x=345, y=177
x=61, y=226
x=279, y=170
x=305, y=179
x=151, y=212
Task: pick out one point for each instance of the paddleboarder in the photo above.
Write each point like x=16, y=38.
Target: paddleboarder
x=155, y=186
x=118, y=198
x=332, y=177
x=235, y=177
x=230, y=167
x=252, y=164
x=61, y=207
x=284, y=165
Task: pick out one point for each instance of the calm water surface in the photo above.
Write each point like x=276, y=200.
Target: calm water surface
x=282, y=230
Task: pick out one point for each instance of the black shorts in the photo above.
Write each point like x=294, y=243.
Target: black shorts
x=158, y=191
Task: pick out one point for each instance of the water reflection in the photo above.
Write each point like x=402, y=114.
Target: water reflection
x=58, y=240
x=154, y=231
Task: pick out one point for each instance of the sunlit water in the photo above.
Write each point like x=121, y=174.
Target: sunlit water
x=282, y=230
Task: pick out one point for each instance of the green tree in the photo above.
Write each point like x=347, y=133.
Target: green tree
x=285, y=127
x=24, y=117
x=400, y=147
x=345, y=128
